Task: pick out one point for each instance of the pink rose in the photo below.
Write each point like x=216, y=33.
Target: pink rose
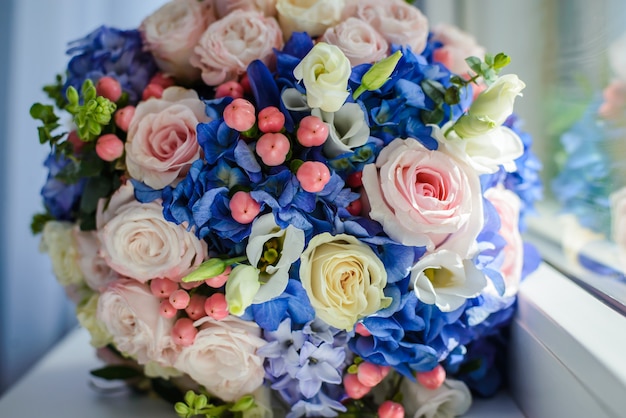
x=425, y=198
x=457, y=46
x=137, y=242
x=223, y=357
x=96, y=271
x=224, y=7
x=230, y=44
x=162, y=141
x=171, y=33
x=358, y=40
x=397, y=21
x=130, y=313
x=508, y=206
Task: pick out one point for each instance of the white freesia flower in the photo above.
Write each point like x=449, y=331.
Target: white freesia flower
x=273, y=250
x=294, y=100
x=445, y=279
x=325, y=71
x=488, y=151
x=241, y=287
x=451, y=399
x=347, y=128
x=58, y=241
x=491, y=107
x=311, y=16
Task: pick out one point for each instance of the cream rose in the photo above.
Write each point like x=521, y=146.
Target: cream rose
x=86, y=313
x=130, y=313
x=398, y=22
x=425, y=198
x=445, y=279
x=223, y=357
x=457, y=46
x=229, y=45
x=171, y=33
x=96, y=271
x=310, y=16
x=358, y=40
x=451, y=399
x=491, y=107
x=224, y=7
x=137, y=242
x=58, y=241
x=508, y=206
x=325, y=71
x=162, y=141
x=343, y=278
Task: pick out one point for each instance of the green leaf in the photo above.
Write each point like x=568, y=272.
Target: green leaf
x=434, y=90
x=95, y=189
x=116, y=373
x=452, y=95
x=475, y=64
x=432, y=117
x=39, y=221
x=45, y=113
x=243, y=404
x=55, y=92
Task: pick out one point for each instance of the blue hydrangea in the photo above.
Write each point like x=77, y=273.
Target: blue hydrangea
x=111, y=52
x=61, y=199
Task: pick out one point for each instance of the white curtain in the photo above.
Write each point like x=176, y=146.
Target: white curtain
x=34, y=312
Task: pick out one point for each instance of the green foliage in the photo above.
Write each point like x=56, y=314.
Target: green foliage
x=50, y=121
x=489, y=68
x=194, y=405
x=55, y=92
x=39, y=221
x=95, y=112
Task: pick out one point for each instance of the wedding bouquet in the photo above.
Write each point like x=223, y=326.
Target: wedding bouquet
x=319, y=201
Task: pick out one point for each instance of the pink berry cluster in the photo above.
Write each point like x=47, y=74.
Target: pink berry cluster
x=189, y=303
x=110, y=147
x=273, y=144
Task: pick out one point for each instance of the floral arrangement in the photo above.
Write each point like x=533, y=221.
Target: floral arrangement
x=313, y=206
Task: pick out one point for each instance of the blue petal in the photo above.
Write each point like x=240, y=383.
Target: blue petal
x=263, y=86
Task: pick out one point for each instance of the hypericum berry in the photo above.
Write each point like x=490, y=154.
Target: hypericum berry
x=109, y=147
x=184, y=333
x=163, y=288
x=110, y=88
x=243, y=207
x=354, y=388
x=355, y=207
x=432, y=379
x=218, y=281
x=162, y=80
x=229, y=89
x=273, y=148
x=312, y=131
x=390, y=409
x=152, y=90
x=369, y=374
x=195, y=309
x=180, y=299
x=361, y=330
x=355, y=180
x=245, y=83
x=271, y=119
x=77, y=143
x=313, y=176
x=166, y=310
x=123, y=117
x=216, y=306
x=240, y=115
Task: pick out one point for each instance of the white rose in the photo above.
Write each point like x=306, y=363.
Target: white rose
x=171, y=33
x=343, y=278
x=229, y=45
x=130, y=313
x=425, y=198
x=444, y=279
x=618, y=221
x=223, y=357
x=398, y=22
x=162, y=142
x=273, y=250
x=347, y=129
x=137, y=242
x=325, y=71
x=491, y=107
x=451, y=399
x=58, y=241
x=358, y=40
x=310, y=16
x=224, y=7
x=86, y=313
x=96, y=271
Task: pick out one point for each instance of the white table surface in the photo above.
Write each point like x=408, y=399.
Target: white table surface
x=58, y=386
